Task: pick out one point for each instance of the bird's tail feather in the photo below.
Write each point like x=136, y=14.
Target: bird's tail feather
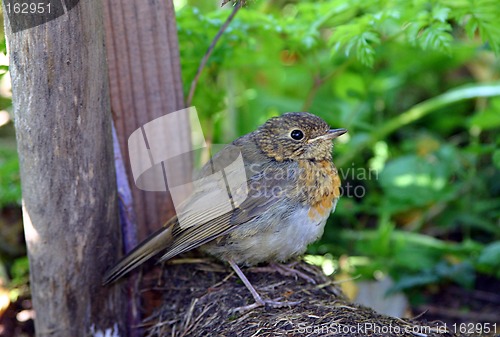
x=156, y=243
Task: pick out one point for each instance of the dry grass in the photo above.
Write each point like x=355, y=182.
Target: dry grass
x=199, y=297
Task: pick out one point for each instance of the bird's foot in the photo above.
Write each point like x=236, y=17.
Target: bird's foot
x=259, y=302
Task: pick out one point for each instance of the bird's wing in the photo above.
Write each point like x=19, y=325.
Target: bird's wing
x=260, y=193
x=207, y=214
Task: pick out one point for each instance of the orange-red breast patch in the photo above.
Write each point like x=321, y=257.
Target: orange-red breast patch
x=321, y=184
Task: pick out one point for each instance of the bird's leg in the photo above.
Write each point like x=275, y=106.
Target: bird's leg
x=247, y=283
x=258, y=299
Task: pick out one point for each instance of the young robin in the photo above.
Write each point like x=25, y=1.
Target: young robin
x=291, y=187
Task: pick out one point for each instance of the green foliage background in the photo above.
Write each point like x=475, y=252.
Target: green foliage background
x=417, y=85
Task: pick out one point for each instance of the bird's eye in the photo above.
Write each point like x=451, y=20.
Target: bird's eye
x=297, y=134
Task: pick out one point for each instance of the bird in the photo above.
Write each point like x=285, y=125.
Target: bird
x=280, y=200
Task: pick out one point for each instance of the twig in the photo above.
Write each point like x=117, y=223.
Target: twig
x=319, y=81
x=210, y=49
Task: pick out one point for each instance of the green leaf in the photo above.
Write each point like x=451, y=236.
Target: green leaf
x=437, y=36
x=10, y=185
x=412, y=281
x=462, y=273
x=3, y=46
x=489, y=118
x=357, y=38
x=489, y=259
x=486, y=120
x=349, y=86
x=3, y=70
x=480, y=16
x=496, y=158
x=414, y=181
x=490, y=255
x=440, y=13
x=20, y=271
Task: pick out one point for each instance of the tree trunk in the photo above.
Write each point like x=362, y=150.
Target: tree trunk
x=62, y=118
x=145, y=82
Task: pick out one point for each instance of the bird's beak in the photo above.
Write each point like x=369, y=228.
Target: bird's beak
x=331, y=134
